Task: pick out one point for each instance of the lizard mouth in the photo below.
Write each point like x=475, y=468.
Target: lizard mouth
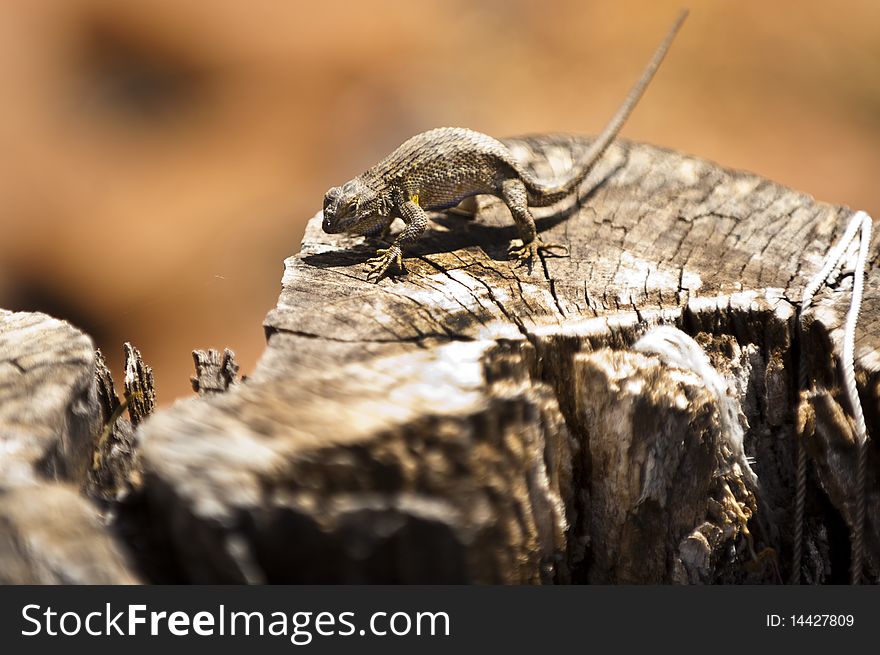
x=350, y=224
x=331, y=226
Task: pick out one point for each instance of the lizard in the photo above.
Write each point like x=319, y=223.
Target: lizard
x=438, y=169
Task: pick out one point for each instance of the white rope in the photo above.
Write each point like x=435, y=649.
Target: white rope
x=849, y=332
x=834, y=260
x=860, y=223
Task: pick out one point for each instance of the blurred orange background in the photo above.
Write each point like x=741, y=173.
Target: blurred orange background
x=159, y=158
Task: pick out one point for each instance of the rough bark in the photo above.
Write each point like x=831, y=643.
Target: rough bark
x=475, y=422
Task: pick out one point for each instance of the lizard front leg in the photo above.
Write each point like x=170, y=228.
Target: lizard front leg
x=416, y=220
x=514, y=194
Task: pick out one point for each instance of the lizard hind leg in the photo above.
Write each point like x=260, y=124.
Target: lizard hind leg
x=515, y=195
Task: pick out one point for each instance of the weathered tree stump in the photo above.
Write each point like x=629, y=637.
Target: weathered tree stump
x=474, y=422
x=49, y=417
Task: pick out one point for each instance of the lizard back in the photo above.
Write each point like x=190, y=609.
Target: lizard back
x=445, y=165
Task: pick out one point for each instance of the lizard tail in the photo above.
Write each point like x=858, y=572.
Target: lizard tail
x=543, y=194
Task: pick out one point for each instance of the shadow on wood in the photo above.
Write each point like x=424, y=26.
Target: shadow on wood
x=474, y=423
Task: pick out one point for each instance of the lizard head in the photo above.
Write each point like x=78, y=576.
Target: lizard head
x=353, y=208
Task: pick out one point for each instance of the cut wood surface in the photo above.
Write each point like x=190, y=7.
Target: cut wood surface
x=477, y=422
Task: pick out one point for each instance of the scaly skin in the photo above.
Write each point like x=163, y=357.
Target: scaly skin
x=437, y=169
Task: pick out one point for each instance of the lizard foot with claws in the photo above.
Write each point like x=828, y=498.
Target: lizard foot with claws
x=438, y=169
x=378, y=266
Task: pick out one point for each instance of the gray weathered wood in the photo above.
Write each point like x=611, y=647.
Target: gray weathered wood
x=48, y=404
x=215, y=372
x=49, y=534
x=50, y=414
x=116, y=467
x=140, y=391
x=473, y=422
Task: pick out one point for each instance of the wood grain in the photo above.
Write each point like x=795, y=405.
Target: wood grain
x=474, y=422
